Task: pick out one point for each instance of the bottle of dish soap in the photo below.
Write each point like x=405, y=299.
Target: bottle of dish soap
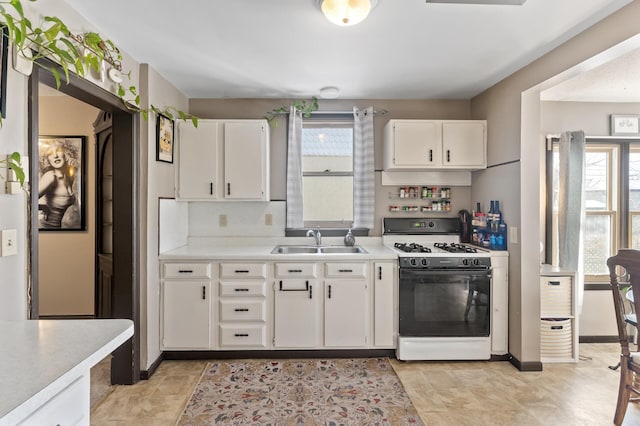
x=349, y=239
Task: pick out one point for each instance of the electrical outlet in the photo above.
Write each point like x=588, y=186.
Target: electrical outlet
x=513, y=234
x=268, y=219
x=222, y=220
x=9, y=242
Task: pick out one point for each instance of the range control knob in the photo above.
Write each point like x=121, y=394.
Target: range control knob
x=476, y=261
x=424, y=262
x=431, y=224
x=413, y=262
x=466, y=262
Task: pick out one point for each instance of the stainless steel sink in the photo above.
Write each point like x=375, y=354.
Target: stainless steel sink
x=317, y=250
x=341, y=249
x=295, y=250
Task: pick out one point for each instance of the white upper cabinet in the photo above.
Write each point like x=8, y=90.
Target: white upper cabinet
x=224, y=160
x=435, y=144
x=198, y=160
x=246, y=160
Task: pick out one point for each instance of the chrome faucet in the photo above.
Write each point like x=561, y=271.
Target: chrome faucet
x=316, y=235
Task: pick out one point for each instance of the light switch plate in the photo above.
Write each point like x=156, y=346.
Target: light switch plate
x=222, y=220
x=513, y=234
x=268, y=219
x=9, y=245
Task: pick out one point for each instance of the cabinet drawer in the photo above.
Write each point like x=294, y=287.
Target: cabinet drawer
x=243, y=288
x=243, y=270
x=555, y=296
x=243, y=336
x=187, y=270
x=346, y=270
x=238, y=310
x=292, y=270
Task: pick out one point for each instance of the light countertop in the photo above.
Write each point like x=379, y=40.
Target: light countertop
x=38, y=359
x=260, y=249
x=552, y=271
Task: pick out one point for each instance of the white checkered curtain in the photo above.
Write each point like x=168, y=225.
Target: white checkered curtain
x=295, y=217
x=571, y=205
x=364, y=197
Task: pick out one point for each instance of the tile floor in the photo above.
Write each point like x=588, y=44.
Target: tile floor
x=444, y=393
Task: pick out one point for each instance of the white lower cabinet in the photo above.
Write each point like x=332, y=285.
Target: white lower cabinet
x=68, y=407
x=186, y=298
x=296, y=306
x=345, y=313
x=385, y=318
x=186, y=314
x=280, y=305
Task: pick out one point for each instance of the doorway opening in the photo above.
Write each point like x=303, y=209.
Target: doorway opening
x=125, y=286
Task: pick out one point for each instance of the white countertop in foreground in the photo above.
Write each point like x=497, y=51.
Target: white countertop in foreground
x=40, y=358
x=260, y=249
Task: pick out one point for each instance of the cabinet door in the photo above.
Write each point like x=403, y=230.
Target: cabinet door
x=197, y=169
x=416, y=144
x=245, y=160
x=345, y=313
x=296, y=314
x=186, y=314
x=500, y=305
x=464, y=144
x=384, y=317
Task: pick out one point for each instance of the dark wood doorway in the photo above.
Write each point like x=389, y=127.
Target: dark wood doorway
x=125, y=285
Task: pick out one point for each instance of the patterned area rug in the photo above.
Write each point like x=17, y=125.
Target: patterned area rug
x=300, y=392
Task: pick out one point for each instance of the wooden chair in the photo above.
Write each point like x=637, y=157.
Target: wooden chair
x=626, y=262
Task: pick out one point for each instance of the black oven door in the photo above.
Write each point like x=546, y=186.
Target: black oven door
x=444, y=303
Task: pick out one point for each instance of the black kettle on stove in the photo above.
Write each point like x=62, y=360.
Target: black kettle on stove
x=465, y=226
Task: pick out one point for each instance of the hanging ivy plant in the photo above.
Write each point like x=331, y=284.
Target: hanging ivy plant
x=304, y=107
x=73, y=53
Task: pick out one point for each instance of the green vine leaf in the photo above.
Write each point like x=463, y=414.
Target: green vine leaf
x=305, y=107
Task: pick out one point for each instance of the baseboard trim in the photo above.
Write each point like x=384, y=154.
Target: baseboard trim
x=146, y=374
x=505, y=357
x=526, y=366
x=599, y=339
x=280, y=354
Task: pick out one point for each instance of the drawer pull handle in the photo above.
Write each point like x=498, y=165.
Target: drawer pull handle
x=241, y=310
x=553, y=283
x=380, y=273
x=448, y=156
x=228, y=189
x=240, y=289
x=210, y=188
x=431, y=156
x=310, y=291
x=241, y=271
x=294, y=270
x=306, y=287
x=557, y=327
x=345, y=270
x=329, y=291
x=185, y=271
x=204, y=293
x=241, y=335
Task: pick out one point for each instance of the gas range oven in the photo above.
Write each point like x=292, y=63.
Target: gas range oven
x=444, y=291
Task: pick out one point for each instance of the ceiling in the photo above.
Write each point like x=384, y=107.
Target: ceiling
x=405, y=49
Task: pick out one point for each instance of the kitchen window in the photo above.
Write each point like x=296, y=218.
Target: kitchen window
x=327, y=171
x=612, y=203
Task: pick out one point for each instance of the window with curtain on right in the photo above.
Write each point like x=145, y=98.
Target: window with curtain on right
x=612, y=203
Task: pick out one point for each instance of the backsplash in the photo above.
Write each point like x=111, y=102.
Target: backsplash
x=237, y=219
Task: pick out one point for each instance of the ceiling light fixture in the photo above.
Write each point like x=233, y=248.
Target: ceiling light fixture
x=346, y=12
x=329, y=92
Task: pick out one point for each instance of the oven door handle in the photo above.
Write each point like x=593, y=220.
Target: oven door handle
x=467, y=272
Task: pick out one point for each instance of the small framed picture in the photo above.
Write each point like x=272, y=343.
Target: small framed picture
x=4, y=45
x=625, y=125
x=61, y=183
x=164, y=139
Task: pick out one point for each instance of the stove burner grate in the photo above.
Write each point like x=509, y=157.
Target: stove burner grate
x=412, y=248
x=455, y=248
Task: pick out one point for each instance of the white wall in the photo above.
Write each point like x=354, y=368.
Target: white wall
x=156, y=181
x=515, y=135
